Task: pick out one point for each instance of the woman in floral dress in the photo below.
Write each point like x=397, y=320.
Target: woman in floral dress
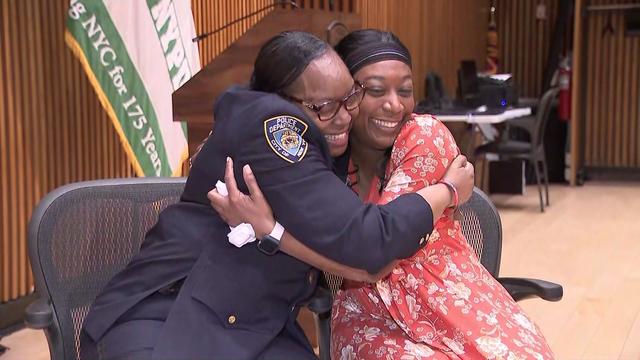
x=441, y=303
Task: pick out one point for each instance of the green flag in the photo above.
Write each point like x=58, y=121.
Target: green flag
x=136, y=53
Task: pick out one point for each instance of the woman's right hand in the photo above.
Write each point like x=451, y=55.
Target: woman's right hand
x=461, y=175
x=238, y=207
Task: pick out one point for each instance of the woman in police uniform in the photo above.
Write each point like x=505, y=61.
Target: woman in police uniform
x=188, y=293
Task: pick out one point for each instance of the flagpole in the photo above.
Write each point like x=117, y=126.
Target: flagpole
x=492, y=58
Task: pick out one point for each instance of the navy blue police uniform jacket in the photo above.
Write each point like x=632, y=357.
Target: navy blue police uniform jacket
x=234, y=302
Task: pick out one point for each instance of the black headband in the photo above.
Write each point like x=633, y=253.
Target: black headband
x=376, y=52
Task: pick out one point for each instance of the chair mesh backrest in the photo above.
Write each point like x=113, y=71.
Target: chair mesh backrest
x=82, y=234
x=481, y=227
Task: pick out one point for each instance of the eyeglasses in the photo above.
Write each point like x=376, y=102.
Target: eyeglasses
x=329, y=109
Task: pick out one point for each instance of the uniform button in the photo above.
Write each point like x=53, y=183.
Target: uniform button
x=422, y=240
x=311, y=278
x=231, y=320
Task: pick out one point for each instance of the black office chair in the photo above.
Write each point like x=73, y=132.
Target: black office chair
x=80, y=236
x=532, y=151
x=482, y=228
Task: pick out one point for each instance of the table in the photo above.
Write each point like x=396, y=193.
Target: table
x=482, y=123
x=478, y=118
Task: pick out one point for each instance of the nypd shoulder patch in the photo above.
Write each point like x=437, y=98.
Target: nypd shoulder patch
x=284, y=135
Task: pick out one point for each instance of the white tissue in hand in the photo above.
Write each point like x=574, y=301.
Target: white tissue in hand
x=222, y=188
x=241, y=234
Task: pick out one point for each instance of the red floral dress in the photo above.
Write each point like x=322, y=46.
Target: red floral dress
x=441, y=303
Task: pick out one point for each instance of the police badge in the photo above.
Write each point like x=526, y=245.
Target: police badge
x=284, y=135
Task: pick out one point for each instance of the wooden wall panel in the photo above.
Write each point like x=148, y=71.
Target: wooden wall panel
x=577, y=82
x=524, y=41
x=438, y=33
x=612, y=101
x=606, y=131
x=53, y=130
x=209, y=15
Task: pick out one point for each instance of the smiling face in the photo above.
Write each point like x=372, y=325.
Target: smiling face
x=388, y=102
x=326, y=79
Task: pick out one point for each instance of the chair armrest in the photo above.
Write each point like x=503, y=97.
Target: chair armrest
x=522, y=288
x=321, y=301
x=39, y=314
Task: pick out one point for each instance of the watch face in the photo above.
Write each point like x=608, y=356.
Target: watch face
x=269, y=245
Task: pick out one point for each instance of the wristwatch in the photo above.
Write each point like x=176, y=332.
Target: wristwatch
x=270, y=243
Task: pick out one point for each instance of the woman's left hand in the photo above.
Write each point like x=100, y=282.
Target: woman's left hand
x=238, y=207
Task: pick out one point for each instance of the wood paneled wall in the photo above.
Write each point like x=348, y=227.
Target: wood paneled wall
x=612, y=103
x=349, y=6
x=438, y=33
x=209, y=15
x=524, y=41
x=606, y=132
x=53, y=130
x=576, y=95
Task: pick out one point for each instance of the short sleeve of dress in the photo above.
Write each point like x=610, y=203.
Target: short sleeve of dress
x=420, y=156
